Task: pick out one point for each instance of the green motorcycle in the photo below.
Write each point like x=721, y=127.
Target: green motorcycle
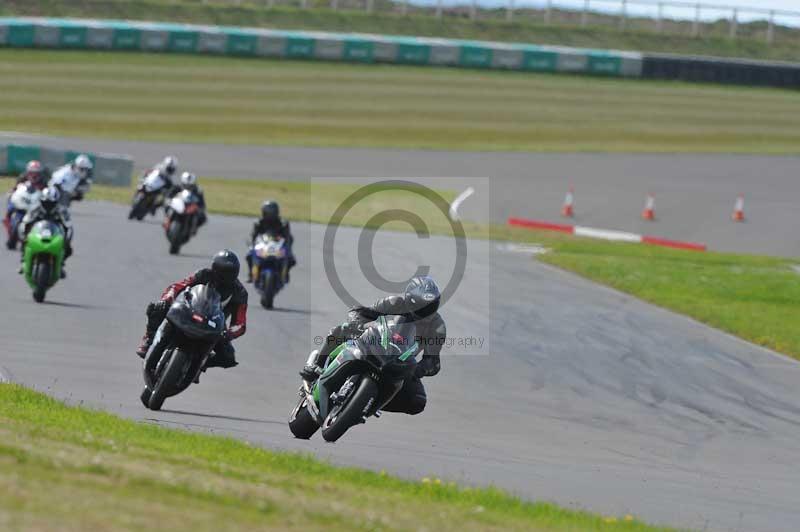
x=360, y=377
x=44, y=254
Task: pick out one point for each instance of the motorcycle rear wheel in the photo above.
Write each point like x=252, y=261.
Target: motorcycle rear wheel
x=351, y=413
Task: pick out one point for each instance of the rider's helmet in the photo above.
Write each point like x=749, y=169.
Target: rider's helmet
x=49, y=199
x=169, y=165
x=35, y=173
x=225, y=267
x=422, y=296
x=189, y=181
x=270, y=211
x=83, y=165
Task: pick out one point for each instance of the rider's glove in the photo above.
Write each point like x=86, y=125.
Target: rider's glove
x=310, y=372
x=428, y=367
x=158, y=308
x=361, y=314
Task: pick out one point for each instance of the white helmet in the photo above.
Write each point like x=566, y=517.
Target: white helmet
x=188, y=179
x=169, y=165
x=49, y=198
x=83, y=164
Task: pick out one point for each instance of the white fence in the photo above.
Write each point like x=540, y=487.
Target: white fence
x=667, y=16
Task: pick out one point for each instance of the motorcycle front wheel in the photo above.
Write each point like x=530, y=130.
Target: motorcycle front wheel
x=174, y=237
x=168, y=381
x=268, y=289
x=41, y=278
x=352, y=411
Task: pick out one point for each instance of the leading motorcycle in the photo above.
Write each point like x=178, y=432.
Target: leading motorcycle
x=181, y=347
x=182, y=218
x=360, y=377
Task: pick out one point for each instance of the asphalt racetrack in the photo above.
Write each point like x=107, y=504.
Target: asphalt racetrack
x=694, y=193
x=582, y=395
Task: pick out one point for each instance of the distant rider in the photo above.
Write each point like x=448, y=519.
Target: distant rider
x=74, y=179
x=35, y=175
x=167, y=171
x=49, y=208
x=223, y=276
x=419, y=303
x=34, y=179
x=271, y=223
x=188, y=181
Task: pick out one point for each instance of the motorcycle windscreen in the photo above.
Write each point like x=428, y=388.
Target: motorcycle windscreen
x=197, y=313
x=391, y=343
x=46, y=229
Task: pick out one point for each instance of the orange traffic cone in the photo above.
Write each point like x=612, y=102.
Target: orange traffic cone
x=649, y=212
x=569, y=201
x=738, y=209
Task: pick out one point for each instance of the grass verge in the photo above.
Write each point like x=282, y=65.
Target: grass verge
x=185, y=98
x=638, y=36
x=750, y=296
x=71, y=468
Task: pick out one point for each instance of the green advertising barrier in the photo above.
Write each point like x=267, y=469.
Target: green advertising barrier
x=539, y=60
x=72, y=36
x=475, y=56
x=126, y=39
x=182, y=41
x=18, y=157
x=299, y=47
x=604, y=64
x=20, y=34
x=363, y=48
x=358, y=50
x=241, y=44
x=413, y=53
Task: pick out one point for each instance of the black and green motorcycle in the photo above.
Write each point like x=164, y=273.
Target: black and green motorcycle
x=359, y=378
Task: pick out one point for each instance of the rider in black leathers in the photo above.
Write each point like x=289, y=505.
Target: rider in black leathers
x=420, y=302
x=271, y=223
x=223, y=275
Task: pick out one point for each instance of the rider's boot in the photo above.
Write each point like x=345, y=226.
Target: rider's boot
x=144, y=346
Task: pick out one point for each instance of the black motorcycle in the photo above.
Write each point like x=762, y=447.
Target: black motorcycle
x=359, y=378
x=183, y=343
